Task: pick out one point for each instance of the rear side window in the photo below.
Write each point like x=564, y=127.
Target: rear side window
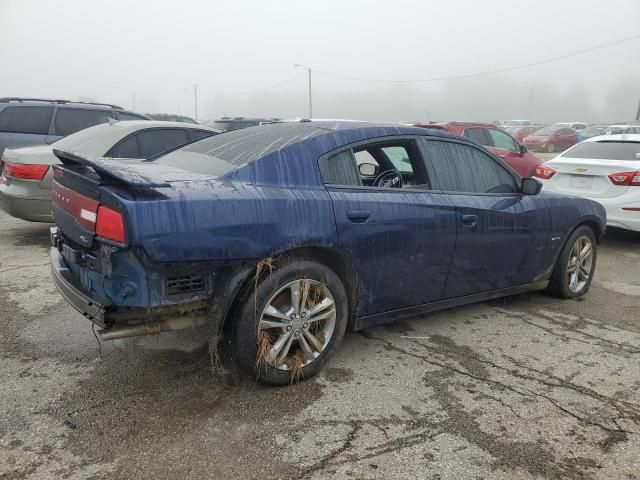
x=340, y=169
x=465, y=169
x=154, y=142
x=26, y=119
x=72, y=120
x=605, y=151
x=477, y=134
x=127, y=148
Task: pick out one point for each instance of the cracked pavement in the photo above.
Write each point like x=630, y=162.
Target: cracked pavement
x=524, y=387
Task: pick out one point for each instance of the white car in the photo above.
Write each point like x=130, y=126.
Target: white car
x=26, y=174
x=620, y=129
x=605, y=169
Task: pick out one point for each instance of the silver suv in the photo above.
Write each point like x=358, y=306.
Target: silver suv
x=36, y=121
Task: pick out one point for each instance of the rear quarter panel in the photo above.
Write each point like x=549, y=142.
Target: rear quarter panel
x=567, y=213
x=233, y=221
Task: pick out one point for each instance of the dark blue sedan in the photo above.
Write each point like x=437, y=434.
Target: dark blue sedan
x=281, y=237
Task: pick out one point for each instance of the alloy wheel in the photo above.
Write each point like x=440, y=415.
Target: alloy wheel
x=579, y=264
x=296, y=325
x=551, y=148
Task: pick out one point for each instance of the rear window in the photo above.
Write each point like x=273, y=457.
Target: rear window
x=222, y=153
x=26, y=119
x=605, y=150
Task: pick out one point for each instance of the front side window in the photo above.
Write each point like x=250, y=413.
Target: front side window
x=381, y=165
x=464, y=169
x=502, y=140
x=72, y=120
x=26, y=119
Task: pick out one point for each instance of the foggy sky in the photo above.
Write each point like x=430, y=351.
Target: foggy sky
x=240, y=53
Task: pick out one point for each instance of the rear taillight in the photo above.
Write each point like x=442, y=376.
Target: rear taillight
x=110, y=224
x=544, y=172
x=25, y=171
x=627, y=179
x=94, y=217
x=81, y=207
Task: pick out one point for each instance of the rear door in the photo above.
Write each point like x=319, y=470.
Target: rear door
x=399, y=241
x=501, y=233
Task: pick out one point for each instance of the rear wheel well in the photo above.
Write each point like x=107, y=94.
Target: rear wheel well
x=326, y=256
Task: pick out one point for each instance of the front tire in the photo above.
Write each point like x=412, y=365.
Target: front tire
x=551, y=148
x=574, y=269
x=290, y=324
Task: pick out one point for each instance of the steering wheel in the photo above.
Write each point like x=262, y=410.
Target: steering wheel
x=389, y=178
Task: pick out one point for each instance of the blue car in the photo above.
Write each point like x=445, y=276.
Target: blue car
x=281, y=237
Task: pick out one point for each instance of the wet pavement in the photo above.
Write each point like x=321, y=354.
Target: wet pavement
x=525, y=387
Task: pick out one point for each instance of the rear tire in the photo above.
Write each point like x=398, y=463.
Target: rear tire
x=277, y=336
x=576, y=264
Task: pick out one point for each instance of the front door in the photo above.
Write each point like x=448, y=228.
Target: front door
x=398, y=234
x=501, y=233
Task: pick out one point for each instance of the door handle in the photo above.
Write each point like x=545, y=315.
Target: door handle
x=358, y=216
x=469, y=220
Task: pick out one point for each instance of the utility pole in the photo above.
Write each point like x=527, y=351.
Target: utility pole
x=133, y=98
x=530, y=103
x=638, y=112
x=310, y=96
x=195, y=100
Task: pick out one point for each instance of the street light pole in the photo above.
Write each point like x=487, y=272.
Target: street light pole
x=195, y=100
x=310, y=97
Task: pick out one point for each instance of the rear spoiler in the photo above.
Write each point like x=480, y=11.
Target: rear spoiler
x=137, y=174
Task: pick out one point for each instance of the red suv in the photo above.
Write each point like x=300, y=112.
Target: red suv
x=497, y=141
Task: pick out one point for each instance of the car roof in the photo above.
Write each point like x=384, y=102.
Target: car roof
x=621, y=137
x=65, y=103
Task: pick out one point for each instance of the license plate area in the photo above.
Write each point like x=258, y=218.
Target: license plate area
x=581, y=181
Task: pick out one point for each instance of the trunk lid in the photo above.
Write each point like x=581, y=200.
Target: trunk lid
x=83, y=184
x=588, y=177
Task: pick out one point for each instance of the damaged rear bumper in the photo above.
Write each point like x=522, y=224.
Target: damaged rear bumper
x=72, y=292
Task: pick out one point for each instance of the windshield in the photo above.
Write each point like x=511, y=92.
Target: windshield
x=594, y=130
x=605, y=150
x=546, y=131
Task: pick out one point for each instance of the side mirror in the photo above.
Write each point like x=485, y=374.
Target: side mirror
x=523, y=149
x=367, y=169
x=531, y=186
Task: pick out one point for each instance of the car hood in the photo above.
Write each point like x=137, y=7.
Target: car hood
x=38, y=154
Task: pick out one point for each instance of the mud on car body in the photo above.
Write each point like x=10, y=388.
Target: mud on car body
x=280, y=237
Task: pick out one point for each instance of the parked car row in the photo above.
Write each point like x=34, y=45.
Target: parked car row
x=27, y=174
x=33, y=121
x=162, y=225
